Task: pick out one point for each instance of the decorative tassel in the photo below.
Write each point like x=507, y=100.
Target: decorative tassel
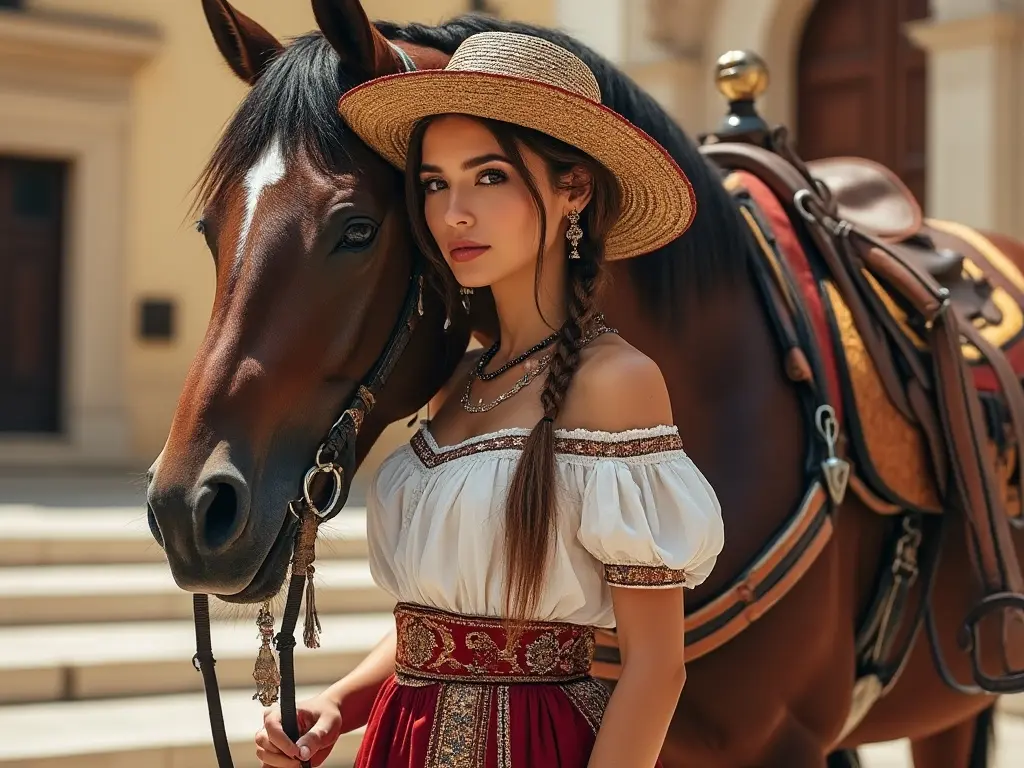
x=302, y=564
x=266, y=674
x=311, y=624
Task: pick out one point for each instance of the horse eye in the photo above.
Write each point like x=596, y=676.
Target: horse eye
x=358, y=234
x=201, y=227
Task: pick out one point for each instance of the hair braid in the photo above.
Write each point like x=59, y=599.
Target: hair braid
x=565, y=359
x=534, y=477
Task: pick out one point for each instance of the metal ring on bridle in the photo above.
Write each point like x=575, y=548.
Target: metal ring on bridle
x=307, y=487
x=320, y=458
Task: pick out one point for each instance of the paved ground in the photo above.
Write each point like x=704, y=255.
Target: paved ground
x=1009, y=749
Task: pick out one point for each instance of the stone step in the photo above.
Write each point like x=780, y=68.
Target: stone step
x=155, y=732
x=89, y=661
x=41, y=535
x=59, y=594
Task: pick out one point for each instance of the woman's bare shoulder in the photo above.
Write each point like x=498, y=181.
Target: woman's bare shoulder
x=616, y=387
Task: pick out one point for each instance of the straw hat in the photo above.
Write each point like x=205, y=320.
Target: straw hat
x=528, y=81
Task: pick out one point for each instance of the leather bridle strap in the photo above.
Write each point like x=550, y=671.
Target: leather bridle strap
x=204, y=662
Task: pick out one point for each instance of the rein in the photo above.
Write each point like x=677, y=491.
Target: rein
x=335, y=458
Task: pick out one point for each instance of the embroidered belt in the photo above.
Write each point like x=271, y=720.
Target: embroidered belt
x=437, y=646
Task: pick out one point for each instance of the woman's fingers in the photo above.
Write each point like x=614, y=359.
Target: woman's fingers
x=269, y=754
x=275, y=733
x=275, y=759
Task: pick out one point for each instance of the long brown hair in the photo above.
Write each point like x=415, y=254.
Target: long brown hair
x=530, y=509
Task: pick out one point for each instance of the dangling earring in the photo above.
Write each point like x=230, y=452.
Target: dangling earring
x=466, y=293
x=574, y=234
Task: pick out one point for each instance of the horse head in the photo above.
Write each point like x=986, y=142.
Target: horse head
x=313, y=255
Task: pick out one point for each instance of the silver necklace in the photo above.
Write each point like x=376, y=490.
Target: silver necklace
x=532, y=372
x=480, y=406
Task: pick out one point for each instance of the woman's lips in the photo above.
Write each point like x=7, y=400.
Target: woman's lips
x=468, y=254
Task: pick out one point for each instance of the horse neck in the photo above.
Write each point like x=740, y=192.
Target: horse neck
x=738, y=416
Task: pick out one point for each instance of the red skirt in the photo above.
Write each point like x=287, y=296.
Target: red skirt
x=462, y=697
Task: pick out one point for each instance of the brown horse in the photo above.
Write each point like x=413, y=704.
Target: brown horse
x=309, y=234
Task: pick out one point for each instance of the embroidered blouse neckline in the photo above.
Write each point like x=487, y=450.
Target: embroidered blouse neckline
x=578, y=441
x=576, y=433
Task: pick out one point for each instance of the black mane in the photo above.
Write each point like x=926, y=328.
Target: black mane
x=296, y=101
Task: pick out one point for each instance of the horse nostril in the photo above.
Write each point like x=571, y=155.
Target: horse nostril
x=220, y=523
x=154, y=526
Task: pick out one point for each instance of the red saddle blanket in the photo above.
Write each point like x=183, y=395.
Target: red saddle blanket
x=891, y=450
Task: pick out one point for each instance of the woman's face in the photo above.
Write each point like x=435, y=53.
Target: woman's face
x=478, y=207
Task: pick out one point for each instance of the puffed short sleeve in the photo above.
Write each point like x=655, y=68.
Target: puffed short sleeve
x=652, y=519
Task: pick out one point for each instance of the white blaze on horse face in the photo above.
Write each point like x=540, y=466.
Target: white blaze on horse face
x=267, y=171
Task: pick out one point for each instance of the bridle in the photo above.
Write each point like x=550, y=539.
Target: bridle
x=335, y=458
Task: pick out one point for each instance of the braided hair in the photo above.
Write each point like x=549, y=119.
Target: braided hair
x=530, y=511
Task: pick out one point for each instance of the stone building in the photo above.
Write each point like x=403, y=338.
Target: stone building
x=108, y=109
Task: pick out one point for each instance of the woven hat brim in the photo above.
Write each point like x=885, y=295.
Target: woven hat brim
x=658, y=203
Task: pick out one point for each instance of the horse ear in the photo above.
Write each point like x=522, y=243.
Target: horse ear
x=365, y=53
x=246, y=46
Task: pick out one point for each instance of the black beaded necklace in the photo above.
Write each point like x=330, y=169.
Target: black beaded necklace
x=487, y=356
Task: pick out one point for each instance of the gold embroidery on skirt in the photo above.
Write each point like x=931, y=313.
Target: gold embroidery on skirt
x=542, y=654
x=504, y=732
x=413, y=682
x=458, y=736
x=486, y=654
x=589, y=697
x=428, y=648
x=416, y=643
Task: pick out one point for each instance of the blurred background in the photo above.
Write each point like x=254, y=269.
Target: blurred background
x=108, y=111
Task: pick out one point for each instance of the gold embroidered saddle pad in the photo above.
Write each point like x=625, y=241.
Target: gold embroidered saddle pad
x=889, y=451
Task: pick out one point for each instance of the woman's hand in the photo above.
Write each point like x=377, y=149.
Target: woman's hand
x=320, y=724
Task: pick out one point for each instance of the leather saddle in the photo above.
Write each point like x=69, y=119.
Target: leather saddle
x=875, y=200
x=914, y=303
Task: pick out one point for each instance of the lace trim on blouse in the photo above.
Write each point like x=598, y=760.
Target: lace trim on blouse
x=628, y=444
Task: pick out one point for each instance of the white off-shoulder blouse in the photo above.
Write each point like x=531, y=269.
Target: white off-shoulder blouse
x=632, y=511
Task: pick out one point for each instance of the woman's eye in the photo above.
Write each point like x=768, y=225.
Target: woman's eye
x=432, y=185
x=358, y=234
x=490, y=178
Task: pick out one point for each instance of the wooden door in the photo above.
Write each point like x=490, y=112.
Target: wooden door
x=31, y=237
x=862, y=86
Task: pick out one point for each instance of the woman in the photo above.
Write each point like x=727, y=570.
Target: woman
x=548, y=496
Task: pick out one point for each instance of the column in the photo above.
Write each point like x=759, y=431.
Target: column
x=975, y=111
